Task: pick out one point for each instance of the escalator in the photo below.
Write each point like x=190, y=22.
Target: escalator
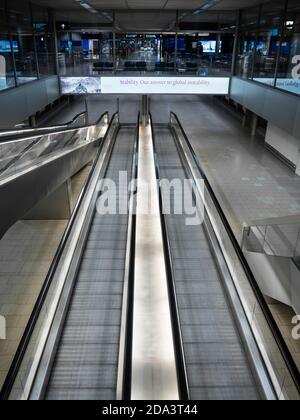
x=86, y=362
x=82, y=355
x=216, y=361
x=228, y=343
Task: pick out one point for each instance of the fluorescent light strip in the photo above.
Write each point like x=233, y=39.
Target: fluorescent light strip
x=206, y=6
x=88, y=7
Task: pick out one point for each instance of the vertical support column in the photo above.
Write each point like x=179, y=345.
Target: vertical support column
x=282, y=30
x=32, y=121
x=145, y=109
x=250, y=122
x=114, y=42
x=11, y=43
x=218, y=43
x=236, y=43
x=52, y=18
x=34, y=43
x=86, y=112
x=176, y=41
x=254, y=55
x=254, y=123
x=118, y=106
x=114, y=52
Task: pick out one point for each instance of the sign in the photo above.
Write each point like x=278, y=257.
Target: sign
x=80, y=85
x=166, y=85
x=145, y=85
x=290, y=85
x=62, y=26
x=40, y=26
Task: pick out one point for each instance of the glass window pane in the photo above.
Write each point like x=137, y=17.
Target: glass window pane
x=266, y=55
x=245, y=55
x=288, y=76
x=272, y=14
x=250, y=18
x=22, y=36
x=44, y=41
x=151, y=52
x=7, y=78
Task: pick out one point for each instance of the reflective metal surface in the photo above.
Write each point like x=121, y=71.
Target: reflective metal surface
x=153, y=360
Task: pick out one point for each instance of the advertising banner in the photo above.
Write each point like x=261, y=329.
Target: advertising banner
x=145, y=85
x=166, y=85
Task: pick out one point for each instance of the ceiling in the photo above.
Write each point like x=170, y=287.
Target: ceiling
x=148, y=4
x=159, y=15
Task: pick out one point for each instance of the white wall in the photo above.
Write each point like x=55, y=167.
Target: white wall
x=284, y=143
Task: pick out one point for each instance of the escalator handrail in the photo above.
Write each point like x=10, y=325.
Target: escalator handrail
x=127, y=370
x=38, y=139
x=8, y=135
x=182, y=376
x=52, y=130
x=17, y=361
x=291, y=365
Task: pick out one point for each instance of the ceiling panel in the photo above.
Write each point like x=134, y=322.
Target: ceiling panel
x=140, y=15
x=145, y=21
x=149, y=4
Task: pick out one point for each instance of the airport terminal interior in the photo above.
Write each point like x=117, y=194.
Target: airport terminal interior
x=150, y=200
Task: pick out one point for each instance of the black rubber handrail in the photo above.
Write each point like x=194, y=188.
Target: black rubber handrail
x=9, y=135
x=182, y=379
x=20, y=353
x=127, y=378
x=290, y=363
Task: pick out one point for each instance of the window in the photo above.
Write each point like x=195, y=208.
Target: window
x=290, y=50
x=245, y=55
x=43, y=41
x=268, y=42
x=22, y=36
x=7, y=77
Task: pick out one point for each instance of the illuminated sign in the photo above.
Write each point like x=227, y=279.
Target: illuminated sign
x=62, y=26
x=290, y=85
x=40, y=26
x=80, y=85
x=145, y=85
x=166, y=85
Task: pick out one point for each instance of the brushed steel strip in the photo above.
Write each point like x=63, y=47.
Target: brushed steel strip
x=154, y=375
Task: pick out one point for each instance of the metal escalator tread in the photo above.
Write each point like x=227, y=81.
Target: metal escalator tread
x=86, y=361
x=216, y=361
